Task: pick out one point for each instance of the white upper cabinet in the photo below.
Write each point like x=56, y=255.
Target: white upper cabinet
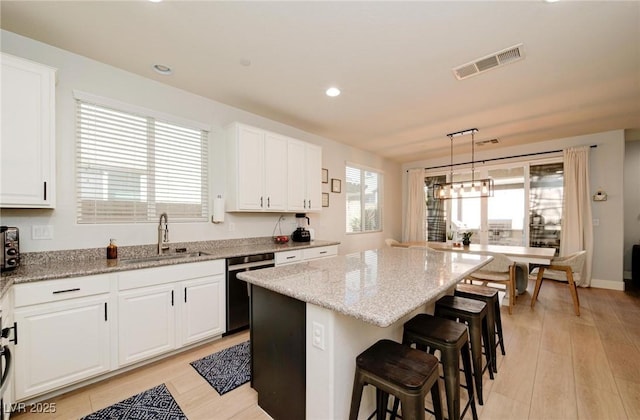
x=27, y=142
x=257, y=164
x=271, y=172
x=305, y=181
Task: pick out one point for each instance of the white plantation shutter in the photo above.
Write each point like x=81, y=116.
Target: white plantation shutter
x=364, y=200
x=130, y=168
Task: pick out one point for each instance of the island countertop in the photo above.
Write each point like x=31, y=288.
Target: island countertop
x=377, y=286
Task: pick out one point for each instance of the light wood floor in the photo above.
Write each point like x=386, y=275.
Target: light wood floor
x=557, y=366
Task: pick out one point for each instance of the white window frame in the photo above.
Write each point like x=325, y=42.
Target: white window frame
x=380, y=204
x=155, y=121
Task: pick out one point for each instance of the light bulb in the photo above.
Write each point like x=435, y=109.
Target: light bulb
x=485, y=188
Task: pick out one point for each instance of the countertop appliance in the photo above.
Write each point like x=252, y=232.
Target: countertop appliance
x=301, y=234
x=237, y=293
x=10, y=256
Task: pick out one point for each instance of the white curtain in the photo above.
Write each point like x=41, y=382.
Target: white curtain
x=577, y=229
x=414, y=229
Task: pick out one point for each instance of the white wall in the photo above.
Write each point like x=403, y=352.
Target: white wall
x=631, y=200
x=607, y=162
x=77, y=72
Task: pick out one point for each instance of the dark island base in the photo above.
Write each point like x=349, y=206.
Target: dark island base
x=278, y=358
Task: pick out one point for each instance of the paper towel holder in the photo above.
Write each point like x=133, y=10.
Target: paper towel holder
x=218, y=209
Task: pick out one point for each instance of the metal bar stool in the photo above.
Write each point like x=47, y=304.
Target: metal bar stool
x=399, y=370
x=431, y=333
x=474, y=314
x=488, y=295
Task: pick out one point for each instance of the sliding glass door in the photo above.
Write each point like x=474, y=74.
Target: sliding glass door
x=506, y=209
x=525, y=209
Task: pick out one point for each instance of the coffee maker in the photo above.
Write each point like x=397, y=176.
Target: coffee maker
x=301, y=234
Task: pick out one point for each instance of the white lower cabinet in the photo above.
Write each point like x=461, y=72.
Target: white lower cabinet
x=164, y=308
x=61, y=341
x=305, y=254
x=146, y=323
x=203, y=311
x=70, y=330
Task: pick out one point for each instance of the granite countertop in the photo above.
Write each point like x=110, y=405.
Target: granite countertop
x=73, y=263
x=377, y=286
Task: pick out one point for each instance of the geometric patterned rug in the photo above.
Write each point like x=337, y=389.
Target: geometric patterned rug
x=152, y=404
x=226, y=369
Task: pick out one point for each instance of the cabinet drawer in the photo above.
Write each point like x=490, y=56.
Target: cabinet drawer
x=288, y=257
x=320, y=252
x=62, y=289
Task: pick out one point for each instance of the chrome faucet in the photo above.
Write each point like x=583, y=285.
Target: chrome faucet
x=163, y=234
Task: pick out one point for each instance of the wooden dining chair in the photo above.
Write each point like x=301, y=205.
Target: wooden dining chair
x=566, y=269
x=501, y=270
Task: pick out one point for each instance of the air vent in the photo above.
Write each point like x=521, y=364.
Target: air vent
x=491, y=61
x=485, y=142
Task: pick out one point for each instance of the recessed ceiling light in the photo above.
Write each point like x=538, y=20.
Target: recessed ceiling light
x=333, y=91
x=162, y=69
x=155, y=1
x=551, y=1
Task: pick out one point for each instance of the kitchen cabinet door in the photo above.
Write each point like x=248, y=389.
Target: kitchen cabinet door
x=27, y=140
x=257, y=170
x=60, y=343
x=250, y=167
x=313, y=178
x=203, y=312
x=146, y=322
x=275, y=172
x=305, y=183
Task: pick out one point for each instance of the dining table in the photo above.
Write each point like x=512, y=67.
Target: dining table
x=520, y=254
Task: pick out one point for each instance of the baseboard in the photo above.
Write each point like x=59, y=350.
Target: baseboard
x=607, y=284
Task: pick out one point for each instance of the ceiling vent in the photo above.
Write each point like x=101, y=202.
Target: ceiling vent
x=491, y=61
x=485, y=142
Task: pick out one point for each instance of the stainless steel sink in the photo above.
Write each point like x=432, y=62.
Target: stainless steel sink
x=164, y=257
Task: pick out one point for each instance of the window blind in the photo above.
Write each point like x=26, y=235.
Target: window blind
x=130, y=168
x=363, y=199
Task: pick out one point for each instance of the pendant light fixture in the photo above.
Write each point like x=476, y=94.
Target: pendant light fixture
x=464, y=189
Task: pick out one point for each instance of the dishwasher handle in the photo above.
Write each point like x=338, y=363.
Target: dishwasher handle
x=252, y=265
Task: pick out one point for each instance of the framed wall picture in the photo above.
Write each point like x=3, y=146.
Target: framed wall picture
x=325, y=199
x=336, y=185
x=325, y=176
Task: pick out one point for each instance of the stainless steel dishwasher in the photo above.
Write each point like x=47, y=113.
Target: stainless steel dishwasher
x=237, y=299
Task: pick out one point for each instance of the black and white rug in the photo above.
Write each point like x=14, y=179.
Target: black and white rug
x=153, y=404
x=227, y=369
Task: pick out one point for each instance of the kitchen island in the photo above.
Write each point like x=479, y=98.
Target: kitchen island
x=309, y=321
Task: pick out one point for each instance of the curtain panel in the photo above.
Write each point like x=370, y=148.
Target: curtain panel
x=413, y=229
x=577, y=228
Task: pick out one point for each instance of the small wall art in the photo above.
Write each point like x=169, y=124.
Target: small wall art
x=336, y=185
x=325, y=199
x=325, y=176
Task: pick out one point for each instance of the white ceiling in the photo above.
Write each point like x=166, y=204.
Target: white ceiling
x=393, y=61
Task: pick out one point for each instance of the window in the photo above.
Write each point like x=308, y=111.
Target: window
x=132, y=167
x=520, y=189
x=364, y=200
